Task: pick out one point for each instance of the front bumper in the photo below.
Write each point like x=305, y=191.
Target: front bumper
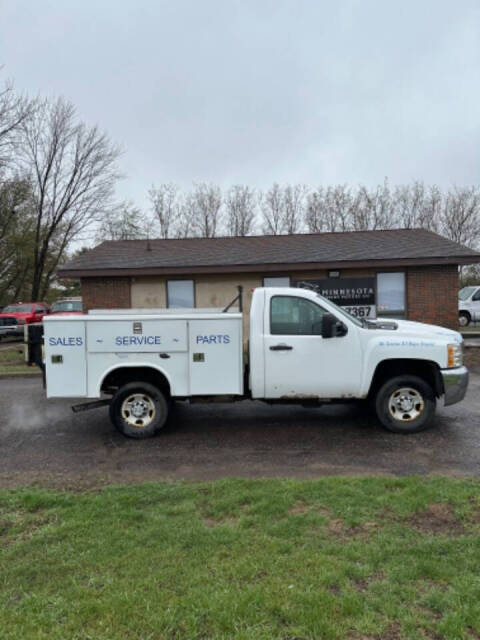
x=455, y=383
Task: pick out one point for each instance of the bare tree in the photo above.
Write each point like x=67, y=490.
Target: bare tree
x=272, y=206
x=460, y=216
x=409, y=205
x=240, y=204
x=338, y=201
x=432, y=209
x=72, y=170
x=124, y=222
x=14, y=109
x=293, y=207
x=315, y=211
x=166, y=208
x=201, y=211
x=372, y=209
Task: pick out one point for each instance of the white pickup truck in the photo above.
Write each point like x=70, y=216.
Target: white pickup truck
x=302, y=348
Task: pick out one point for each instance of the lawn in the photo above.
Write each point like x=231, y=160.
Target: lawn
x=331, y=558
x=12, y=361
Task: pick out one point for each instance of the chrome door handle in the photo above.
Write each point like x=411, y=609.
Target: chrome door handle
x=281, y=347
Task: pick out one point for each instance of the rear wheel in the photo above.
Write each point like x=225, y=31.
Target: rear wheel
x=464, y=319
x=405, y=404
x=138, y=410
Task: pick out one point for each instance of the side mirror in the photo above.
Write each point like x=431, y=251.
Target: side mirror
x=331, y=327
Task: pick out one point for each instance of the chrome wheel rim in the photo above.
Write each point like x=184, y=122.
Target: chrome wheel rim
x=138, y=410
x=463, y=321
x=406, y=404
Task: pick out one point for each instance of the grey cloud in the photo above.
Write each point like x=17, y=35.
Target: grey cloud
x=257, y=91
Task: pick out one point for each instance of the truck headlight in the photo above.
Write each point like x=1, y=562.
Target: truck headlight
x=454, y=355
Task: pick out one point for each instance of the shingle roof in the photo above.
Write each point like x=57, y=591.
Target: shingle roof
x=348, y=249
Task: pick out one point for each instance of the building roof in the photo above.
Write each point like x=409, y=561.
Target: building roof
x=397, y=247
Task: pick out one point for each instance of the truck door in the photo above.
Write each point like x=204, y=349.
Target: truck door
x=299, y=363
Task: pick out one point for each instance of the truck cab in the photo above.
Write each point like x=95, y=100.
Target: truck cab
x=468, y=305
x=302, y=349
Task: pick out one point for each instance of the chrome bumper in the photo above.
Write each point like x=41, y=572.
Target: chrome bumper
x=455, y=383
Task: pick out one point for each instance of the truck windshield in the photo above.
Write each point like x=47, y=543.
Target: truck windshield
x=342, y=312
x=465, y=293
x=18, y=308
x=67, y=305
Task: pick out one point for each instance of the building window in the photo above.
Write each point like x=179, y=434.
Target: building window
x=295, y=316
x=180, y=294
x=277, y=281
x=391, y=294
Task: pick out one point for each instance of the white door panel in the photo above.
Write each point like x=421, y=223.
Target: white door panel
x=302, y=366
x=215, y=352
x=65, y=359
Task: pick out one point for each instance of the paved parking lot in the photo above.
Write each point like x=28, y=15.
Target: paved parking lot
x=42, y=441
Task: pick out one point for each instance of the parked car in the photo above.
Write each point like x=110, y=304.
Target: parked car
x=15, y=316
x=468, y=305
x=67, y=306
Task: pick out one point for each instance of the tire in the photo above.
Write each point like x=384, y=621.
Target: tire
x=405, y=404
x=464, y=319
x=139, y=410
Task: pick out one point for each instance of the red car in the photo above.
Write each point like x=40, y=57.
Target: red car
x=15, y=316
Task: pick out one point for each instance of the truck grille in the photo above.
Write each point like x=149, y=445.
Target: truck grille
x=8, y=322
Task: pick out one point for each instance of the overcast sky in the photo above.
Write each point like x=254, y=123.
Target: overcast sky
x=259, y=91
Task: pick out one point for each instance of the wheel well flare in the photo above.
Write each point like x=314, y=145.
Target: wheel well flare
x=123, y=375
x=425, y=369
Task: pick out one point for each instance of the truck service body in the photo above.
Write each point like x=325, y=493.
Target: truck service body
x=301, y=348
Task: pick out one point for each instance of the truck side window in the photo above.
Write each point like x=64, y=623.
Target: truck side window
x=476, y=296
x=290, y=315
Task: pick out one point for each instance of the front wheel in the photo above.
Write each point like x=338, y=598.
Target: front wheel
x=464, y=319
x=138, y=410
x=405, y=404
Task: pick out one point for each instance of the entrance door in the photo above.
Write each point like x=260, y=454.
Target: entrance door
x=299, y=363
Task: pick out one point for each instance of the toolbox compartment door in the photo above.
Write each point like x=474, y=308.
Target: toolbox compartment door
x=65, y=359
x=215, y=352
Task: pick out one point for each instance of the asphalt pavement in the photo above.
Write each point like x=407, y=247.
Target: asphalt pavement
x=43, y=442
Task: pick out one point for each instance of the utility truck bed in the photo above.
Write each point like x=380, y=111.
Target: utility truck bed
x=198, y=353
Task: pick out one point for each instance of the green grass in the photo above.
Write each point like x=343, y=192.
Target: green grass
x=12, y=362
x=330, y=558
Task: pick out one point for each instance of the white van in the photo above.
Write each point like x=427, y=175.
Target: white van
x=469, y=305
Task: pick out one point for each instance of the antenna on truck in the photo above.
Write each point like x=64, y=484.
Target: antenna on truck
x=238, y=298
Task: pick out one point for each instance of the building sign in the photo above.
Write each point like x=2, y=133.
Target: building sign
x=356, y=295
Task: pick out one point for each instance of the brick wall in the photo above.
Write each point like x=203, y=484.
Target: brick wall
x=106, y=293
x=432, y=295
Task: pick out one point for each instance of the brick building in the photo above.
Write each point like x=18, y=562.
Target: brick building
x=402, y=273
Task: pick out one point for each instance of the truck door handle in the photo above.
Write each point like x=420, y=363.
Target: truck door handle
x=164, y=355
x=281, y=347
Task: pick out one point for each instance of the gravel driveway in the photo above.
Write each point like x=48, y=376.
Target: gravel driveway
x=44, y=442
